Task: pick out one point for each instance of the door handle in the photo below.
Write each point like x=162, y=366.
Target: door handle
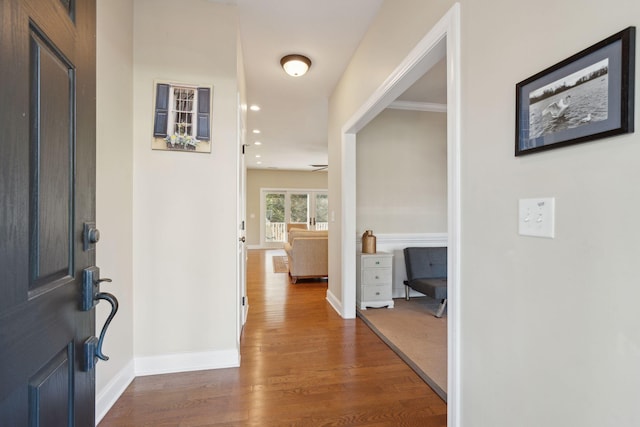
x=111, y=299
x=91, y=295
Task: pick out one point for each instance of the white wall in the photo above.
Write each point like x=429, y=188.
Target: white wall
x=550, y=331
x=402, y=190
x=185, y=204
x=114, y=188
x=260, y=178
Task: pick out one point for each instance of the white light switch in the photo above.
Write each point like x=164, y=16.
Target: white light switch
x=536, y=217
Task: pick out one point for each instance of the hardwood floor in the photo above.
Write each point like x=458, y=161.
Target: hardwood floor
x=302, y=365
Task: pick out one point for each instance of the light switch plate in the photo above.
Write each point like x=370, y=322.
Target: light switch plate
x=536, y=217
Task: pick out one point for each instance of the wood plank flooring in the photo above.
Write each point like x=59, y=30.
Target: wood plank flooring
x=302, y=365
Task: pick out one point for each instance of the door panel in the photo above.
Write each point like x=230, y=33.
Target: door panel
x=298, y=208
x=50, y=392
x=321, y=211
x=47, y=191
x=274, y=217
x=51, y=202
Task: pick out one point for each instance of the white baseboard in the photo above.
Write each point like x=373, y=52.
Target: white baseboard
x=164, y=364
x=113, y=390
x=184, y=362
x=335, y=303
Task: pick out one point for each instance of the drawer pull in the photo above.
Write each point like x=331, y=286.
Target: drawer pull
x=377, y=262
x=377, y=277
x=377, y=293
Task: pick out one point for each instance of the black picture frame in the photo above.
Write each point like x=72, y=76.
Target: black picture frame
x=588, y=96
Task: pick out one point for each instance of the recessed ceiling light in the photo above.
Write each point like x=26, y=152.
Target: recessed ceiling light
x=254, y=107
x=258, y=156
x=256, y=131
x=257, y=143
x=258, y=163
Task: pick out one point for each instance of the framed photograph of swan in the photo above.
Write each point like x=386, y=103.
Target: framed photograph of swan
x=585, y=97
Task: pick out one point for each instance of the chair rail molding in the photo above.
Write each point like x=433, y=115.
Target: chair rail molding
x=395, y=244
x=408, y=239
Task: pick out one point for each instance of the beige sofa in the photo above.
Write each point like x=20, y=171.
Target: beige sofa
x=307, y=252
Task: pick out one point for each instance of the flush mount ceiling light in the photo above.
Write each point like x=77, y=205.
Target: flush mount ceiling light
x=295, y=65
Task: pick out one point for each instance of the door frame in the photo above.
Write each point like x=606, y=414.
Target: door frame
x=443, y=38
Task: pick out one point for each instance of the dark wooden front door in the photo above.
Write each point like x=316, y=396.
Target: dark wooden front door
x=47, y=192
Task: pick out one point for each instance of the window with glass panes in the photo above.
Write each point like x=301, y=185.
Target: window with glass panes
x=183, y=110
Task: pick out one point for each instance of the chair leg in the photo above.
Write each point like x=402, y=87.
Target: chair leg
x=406, y=292
x=440, y=311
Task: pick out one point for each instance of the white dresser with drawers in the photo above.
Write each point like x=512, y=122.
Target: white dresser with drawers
x=374, y=280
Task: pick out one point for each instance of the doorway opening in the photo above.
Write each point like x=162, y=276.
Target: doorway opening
x=443, y=38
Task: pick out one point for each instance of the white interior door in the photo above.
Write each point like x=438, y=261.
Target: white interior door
x=242, y=247
x=242, y=221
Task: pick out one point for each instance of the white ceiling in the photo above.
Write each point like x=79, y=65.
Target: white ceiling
x=293, y=116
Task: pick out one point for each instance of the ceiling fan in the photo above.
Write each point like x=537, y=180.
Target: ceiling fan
x=319, y=167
